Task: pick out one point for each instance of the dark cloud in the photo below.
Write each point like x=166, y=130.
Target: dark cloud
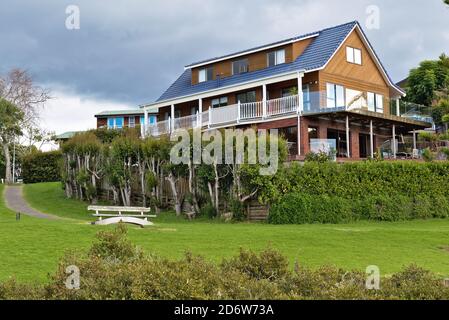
x=130, y=51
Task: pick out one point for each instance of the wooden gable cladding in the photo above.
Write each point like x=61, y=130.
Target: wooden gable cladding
x=368, y=73
x=257, y=60
x=298, y=47
x=366, y=77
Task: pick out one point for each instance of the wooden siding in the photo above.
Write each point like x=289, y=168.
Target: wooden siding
x=257, y=60
x=365, y=77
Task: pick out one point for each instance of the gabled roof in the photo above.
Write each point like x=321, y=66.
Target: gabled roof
x=316, y=56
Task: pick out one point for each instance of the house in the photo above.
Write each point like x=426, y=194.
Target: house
x=325, y=87
x=118, y=119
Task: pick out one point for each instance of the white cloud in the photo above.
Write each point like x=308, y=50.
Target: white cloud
x=71, y=112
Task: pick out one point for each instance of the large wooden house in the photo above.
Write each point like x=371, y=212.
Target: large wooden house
x=328, y=85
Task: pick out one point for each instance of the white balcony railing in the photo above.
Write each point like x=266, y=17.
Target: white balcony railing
x=251, y=110
x=282, y=106
x=241, y=113
x=229, y=115
x=224, y=115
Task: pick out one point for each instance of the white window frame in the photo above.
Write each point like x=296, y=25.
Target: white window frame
x=354, y=55
x=217, y=103
x=114, y=121
x=279, y=57
x=240, y=60
x=131, y=122
x=375, y=102
x=335, y=95
x=202, y=75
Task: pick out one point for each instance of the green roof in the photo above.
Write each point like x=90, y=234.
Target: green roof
x=125, y=112
x=66, y=135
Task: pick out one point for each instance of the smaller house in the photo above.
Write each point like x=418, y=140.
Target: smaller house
x=131, y=118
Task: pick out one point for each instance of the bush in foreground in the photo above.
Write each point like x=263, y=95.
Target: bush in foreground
x=115, y=269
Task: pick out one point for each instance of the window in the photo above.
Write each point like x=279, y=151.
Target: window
x=306, y=97
x=355, y=99
x=206, y=74
x=340, y=142
x=287, y=92
x=375, y=102
x=240, y=66
x=115, y=123
x=335, y=95
x=131, y=122
x=354, y=55
x=276, y=57
x=313, y=133
x=246, y=97
x=220, y=102
x=151, y=120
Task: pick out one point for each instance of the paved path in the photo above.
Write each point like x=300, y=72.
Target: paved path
x=15, y=201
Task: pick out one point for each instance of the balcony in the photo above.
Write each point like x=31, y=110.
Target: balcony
x=290, y=106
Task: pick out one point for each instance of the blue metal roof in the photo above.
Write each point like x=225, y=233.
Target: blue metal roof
x=315, y=56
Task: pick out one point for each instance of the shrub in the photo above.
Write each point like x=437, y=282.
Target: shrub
x=42, y=167
x=238, y=210
x=268, y=265
x=208, y=210
x=122, y=272
x=299, y=208
x=428, y=155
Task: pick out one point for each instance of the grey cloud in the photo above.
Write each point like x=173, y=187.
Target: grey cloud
x=130, y=51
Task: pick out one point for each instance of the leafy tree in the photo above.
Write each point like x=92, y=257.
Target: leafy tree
x=11, y=117
x=429, y=81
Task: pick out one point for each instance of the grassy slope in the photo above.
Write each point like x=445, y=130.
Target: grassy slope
x=30, y=248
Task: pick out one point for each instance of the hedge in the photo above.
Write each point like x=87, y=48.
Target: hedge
x=297, y=208
x=42, y=167
x=381, y=191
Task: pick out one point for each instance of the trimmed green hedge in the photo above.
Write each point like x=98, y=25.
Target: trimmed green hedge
x=42, y=167
x=381, y=191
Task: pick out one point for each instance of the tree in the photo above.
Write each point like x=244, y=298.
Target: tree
x=11, y=117
x=17, y=88
x=429, y=81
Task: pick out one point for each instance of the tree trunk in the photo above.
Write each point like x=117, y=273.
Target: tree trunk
x=217, y=187
x=8, y=166
x=178, y=208
x=192, y=187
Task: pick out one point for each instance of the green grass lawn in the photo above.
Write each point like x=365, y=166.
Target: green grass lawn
x=31, y=248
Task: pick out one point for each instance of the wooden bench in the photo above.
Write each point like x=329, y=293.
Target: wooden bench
x=132, y=215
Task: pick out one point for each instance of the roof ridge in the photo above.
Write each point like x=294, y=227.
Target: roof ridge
x=298, y=37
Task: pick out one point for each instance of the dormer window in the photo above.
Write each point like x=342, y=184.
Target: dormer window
x=276, y=57
x=354, y=55
x=206, y=74
x=240, y=66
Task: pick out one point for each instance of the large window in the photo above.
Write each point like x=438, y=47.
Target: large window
x=220, y=102
x=276, y=57
x=206, y=74
x=354, y=55
x=115, y=123
x=245, y=97
x=335, y=95
x=375, y=102
x=240, y=66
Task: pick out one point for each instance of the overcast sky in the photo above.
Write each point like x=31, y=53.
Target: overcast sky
x=128, y=52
